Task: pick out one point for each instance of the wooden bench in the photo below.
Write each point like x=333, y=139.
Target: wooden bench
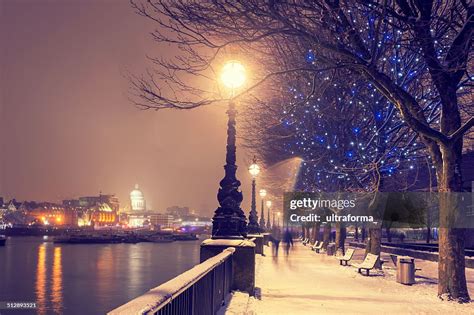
x=343, y=260
x=318, y=247
x=368, y=264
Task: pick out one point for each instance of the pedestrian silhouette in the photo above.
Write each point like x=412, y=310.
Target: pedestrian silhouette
x=275, y=244
x=288, y=240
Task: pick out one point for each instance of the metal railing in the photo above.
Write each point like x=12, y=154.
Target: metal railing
x=200, y=290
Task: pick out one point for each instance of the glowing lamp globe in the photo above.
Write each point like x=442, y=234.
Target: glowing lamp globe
x=233, y=74
x=254, y=169
x=262, y=193
x=269, y=203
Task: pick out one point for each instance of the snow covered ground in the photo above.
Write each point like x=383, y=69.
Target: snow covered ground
x=310, y=283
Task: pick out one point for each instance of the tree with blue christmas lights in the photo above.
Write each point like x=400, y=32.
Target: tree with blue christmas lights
x=346, y=134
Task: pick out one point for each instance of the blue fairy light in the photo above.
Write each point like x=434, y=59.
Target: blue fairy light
x=310, y=57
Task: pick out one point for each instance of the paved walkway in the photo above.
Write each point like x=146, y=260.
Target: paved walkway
x=310, y=283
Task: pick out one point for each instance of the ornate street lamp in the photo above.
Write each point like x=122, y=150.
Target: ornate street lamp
x=269, y=205
x=253, y=226
x=233, y=75
x=229, y=220
x=262, y=194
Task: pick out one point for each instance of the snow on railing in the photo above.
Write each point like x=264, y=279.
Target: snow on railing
x=199, y=290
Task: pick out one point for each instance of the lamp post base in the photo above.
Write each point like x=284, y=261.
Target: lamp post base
x=243, y=261
x=259, y=242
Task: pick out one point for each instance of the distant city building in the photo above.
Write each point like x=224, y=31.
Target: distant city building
x=161, y=220
x=13, y=205
x=138, y=215
x=150, y=218
x=3, y=209
x=13, y=212
x=47, y=213
x=93, y=201
x=101, y=210
x=136, y=221
x=137, y=200
x=71, y=203
x=103, y=214
x=178, y=212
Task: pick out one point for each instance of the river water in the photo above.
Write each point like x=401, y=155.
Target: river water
x=86, y=279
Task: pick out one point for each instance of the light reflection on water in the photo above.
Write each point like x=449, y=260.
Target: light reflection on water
x=87, y=279
x=105, y=269
x=43, y=273
x=57, y=287
x=41, y=280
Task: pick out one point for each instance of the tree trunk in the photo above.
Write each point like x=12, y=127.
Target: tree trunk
x=313, y=233
x=373, y=243
x=326, y=235
x=451, y=266
x=428, y=222
x=308, y=232
x=340, y=237
x=376, y=206
x=316, y=228
x=389, y=235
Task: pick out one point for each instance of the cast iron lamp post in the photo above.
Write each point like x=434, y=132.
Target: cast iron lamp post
x=262, y=194
x=269, y=225
x=229, y=221
x=253, y=226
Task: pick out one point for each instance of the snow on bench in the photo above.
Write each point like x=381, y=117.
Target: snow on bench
x=318, y=247
x=368, y=263
x=343, y=260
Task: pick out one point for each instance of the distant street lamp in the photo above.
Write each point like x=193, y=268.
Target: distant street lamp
x=229, y=220
x=269, y=205
x=262, y=194
x=253, y=226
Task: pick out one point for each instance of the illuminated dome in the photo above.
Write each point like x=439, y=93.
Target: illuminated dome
x=136, y=193
x=137, y=200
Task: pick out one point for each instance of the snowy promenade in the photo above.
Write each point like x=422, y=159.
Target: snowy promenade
x=310, y=283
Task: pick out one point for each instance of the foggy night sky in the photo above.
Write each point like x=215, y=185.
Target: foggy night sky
x=67, y=128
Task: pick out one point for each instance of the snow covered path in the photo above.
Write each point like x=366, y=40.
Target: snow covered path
x=310, y=283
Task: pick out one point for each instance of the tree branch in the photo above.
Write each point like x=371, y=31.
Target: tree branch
x=462, y=130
